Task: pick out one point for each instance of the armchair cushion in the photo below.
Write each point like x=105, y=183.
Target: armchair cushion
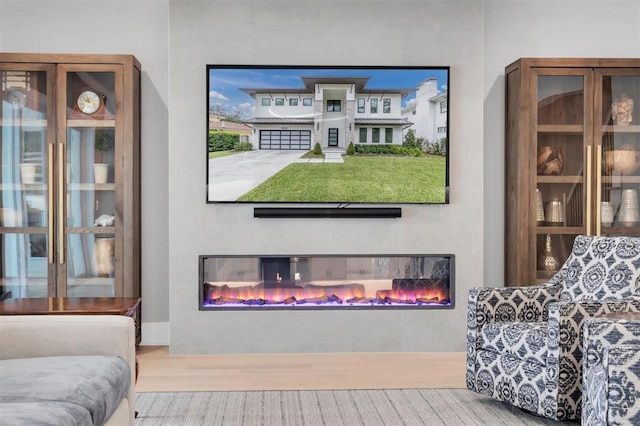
x=602, y=268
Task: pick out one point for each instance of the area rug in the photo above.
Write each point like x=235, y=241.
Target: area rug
x=331, y=408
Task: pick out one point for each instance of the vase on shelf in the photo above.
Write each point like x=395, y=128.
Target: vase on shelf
x=606, y=213
x=104, y=249
x=539, y=208
x=28, y=172
x=629, y=212
x=548, y=262
x=100, y=172
x=555, y=213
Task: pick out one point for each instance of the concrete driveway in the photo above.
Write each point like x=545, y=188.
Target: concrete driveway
x=234, y=175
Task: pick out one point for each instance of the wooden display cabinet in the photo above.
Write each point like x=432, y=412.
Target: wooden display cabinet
x=572, y=143
x=70, y=181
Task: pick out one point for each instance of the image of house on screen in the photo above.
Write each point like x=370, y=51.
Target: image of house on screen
x=330, y=111
x=428, y=112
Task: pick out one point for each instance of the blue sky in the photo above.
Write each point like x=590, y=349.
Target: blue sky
x=224, y=83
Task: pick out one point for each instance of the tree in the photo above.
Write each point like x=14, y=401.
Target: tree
x=410, y=139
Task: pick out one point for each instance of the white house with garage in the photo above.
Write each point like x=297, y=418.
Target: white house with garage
x=331, y=111
x=428, y=112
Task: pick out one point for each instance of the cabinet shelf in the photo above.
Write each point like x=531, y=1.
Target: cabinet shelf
x=574, y=129
x=91, y=123
x=91, y=187
x=560, y=179
x=23, y=230
x=617, y=181
x=559, y=230
x=23, y=186
x=92, y=230
x=608, y=128
x=70, y=187
x=620, y=230
x=24, y=122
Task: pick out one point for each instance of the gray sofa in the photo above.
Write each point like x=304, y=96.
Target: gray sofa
x=67, y=370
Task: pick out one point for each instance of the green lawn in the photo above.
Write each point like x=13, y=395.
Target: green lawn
x=374, y=179
x=217, y=154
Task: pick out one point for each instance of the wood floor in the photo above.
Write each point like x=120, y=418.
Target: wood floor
x=161, y=371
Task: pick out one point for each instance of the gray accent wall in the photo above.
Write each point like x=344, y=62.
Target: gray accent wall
x=318, y=33
x=175, y=39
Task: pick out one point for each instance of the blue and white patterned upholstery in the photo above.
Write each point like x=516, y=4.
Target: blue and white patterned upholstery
x=524, y=344
x=602, y=268
x=611, y=372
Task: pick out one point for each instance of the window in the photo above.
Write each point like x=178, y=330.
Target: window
x=307, y=101
x=386, y=106
x=333, y=105
x=374, y=106
x=279, y=101
x=361, y=105
x=442, y=129
x=388, y=135
x=293, y=101
x=443, y=106
x=266, y=101
x=363, y=135
x=375, y=135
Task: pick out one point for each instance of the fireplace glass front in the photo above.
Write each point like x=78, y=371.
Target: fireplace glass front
x=326, y=282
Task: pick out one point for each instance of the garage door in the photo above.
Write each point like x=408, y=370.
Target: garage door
x=285, y=139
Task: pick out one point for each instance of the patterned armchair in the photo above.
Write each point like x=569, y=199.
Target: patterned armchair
x=611, y=372
x=524, y=344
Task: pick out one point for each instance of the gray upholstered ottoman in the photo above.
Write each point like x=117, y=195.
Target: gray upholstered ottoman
x=69, y=390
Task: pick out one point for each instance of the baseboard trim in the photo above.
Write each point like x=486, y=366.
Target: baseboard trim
x=155, y=334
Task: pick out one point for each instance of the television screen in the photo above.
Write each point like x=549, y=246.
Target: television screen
x=327, y=135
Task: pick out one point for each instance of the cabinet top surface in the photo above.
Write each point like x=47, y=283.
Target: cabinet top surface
x=69, y=58
x=69, y=305
x=573, y=62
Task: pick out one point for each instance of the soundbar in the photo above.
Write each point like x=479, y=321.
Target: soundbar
x=327, y=212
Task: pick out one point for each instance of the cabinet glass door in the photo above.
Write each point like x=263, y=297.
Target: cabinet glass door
x=25, y=199
x=618, y=137
x=562, y=162
x=89, y=182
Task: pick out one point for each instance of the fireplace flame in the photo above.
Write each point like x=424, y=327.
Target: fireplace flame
x=431, y=292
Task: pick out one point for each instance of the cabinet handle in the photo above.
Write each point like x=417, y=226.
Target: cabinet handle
x=50, y=245
x=61, y=209
x=587, y=175
x=598, y=188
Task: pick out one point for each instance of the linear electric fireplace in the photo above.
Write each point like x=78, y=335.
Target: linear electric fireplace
x=326, y=282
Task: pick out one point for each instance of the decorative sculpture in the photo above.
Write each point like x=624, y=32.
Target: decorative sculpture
x=622, y=110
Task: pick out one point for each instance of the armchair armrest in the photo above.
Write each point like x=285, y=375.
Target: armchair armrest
x=493, y=304
x=526, y=304
x=565, y=340
x=611, y=371
x=567, y=319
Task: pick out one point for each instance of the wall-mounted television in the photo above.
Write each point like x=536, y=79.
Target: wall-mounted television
x=327, y=134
